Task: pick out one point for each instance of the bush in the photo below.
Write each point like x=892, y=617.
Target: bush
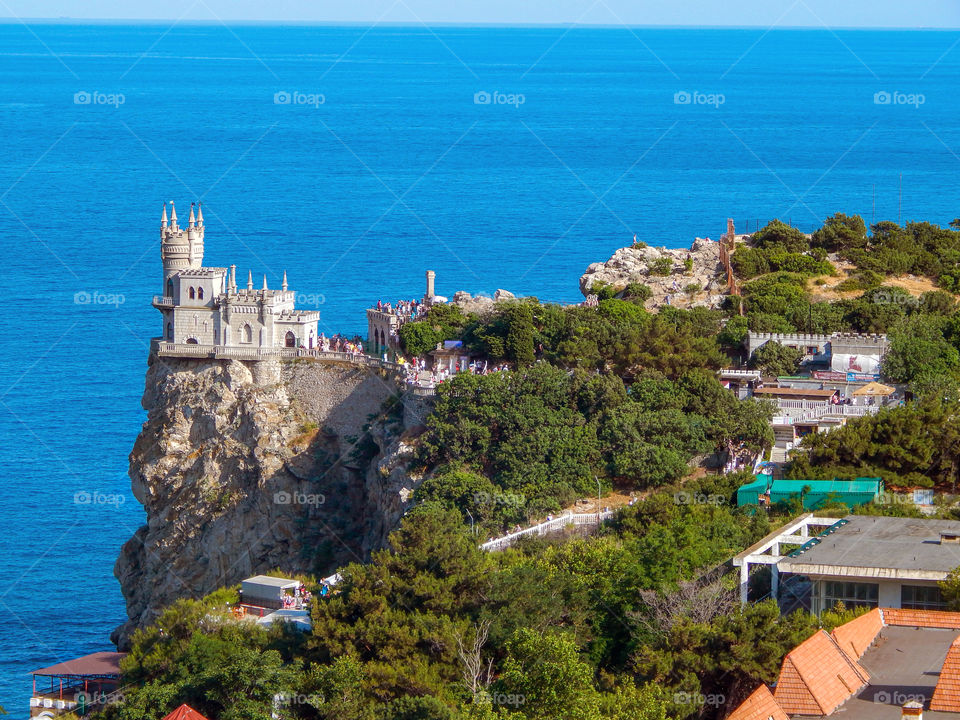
x=663, y=265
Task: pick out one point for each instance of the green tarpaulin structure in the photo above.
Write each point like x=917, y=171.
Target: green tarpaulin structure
x=818, y=492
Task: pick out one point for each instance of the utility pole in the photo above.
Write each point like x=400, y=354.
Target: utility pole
x=598, y=499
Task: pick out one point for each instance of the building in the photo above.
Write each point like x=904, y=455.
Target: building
x=848, y=357
x=859, y=560
x=203, y=305
x=812, y=493
x=184, y=712
x=384, y=322
x=75, y=685
x=884, y=665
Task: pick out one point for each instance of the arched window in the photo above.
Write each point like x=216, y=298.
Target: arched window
x=246, y=333
x=193, y=294
x=170, y=288
x=192, y=341
x=199, y=293
x=170, y=332
x=290, y=340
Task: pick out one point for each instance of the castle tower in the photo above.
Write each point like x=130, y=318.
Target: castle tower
x=174, y=247
x=179, y=249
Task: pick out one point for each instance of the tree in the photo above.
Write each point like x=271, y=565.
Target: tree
x=545, y=670
x=950, y=589
x=419, y=338
x=780, y=235
x=519, y=340
x=918, y=349
x=841, y=233
x=775, y=359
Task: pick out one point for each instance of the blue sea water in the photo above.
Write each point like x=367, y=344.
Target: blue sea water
x=385, y=162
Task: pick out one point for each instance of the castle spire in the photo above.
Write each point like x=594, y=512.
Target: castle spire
x=193, y=219
x=284, y=280
x=200, y=214
x=163, y=218
x=173, y=215
x=249, y=279
x=264, y=282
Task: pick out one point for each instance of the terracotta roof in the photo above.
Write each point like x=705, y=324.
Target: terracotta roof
x=817, y=677
x=922, y=618
x=759, y=706
x=184, y=712
x=98, y=663
x=946, y=696
x=855, y=637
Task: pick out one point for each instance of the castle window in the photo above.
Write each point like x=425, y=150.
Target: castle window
x=170, y=332
x=193, y=294
x=169, y=288
x=199, y=293
x=246, y=333
x=290, y=340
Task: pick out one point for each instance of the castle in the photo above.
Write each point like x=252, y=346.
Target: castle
x=203, y=305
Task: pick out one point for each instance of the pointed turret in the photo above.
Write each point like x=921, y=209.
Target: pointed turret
x=284, y=280
x=173, y=215
x=193, y=220
x=249, y=279
x=200, y=214
x=163, y=218
x=264, y=282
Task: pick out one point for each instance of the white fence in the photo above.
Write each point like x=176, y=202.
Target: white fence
x=547, y=527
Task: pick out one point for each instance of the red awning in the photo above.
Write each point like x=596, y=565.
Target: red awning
x=98, y=664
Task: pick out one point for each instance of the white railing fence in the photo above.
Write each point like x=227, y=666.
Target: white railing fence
x=549, y=526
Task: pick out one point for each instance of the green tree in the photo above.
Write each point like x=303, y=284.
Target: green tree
x=772, y=358
x=545, y=670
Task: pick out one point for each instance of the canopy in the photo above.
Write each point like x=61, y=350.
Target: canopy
x=98, y=664
x=874, y=389
x=184, y=712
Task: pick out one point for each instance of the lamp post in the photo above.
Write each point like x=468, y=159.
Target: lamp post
x=471, y=523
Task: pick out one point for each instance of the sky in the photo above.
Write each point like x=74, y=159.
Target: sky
x=939, y=14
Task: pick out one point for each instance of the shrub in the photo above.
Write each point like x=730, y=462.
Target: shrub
x=663, y=265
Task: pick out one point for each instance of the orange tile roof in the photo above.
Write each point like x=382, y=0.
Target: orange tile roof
x=856, y=637
x=946, y=696
x=759, y=706
x=922, y=618
x=817, y=677
x=184, y=712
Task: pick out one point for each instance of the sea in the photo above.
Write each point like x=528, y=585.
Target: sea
x=355, y=158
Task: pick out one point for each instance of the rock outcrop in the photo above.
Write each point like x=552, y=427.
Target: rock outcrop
x=665, y=272
x=247, y=467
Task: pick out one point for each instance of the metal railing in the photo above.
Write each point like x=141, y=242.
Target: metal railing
x=549, y=526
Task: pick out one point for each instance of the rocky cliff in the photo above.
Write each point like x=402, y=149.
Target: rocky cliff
x=671, y=278
x=247, y=467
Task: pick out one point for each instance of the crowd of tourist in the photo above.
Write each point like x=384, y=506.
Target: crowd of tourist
x=418, y=374
x=339, y=343
x=406, y=310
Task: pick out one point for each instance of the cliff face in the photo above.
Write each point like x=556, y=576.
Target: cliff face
x=247, y=467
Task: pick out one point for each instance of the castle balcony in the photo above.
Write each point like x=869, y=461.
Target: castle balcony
x=162, y=301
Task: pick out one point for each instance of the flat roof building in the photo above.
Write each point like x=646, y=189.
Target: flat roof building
x=861, y=560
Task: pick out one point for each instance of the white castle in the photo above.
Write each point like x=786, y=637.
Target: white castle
x=203, y=305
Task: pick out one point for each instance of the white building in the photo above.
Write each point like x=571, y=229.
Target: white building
x=203, y=305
